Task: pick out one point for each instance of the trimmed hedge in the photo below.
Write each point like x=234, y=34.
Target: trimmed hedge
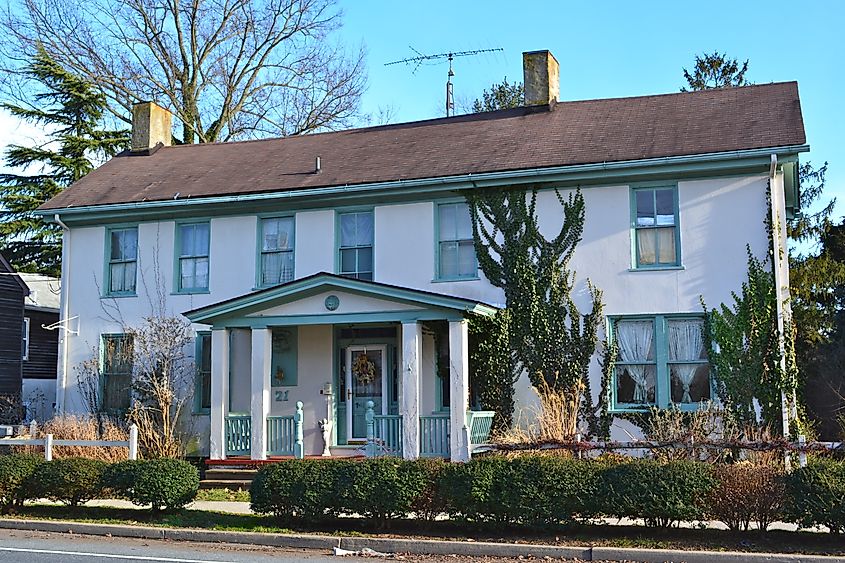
x=15, y=473
x=71, y=480
x=816, y=495
x=164, y=484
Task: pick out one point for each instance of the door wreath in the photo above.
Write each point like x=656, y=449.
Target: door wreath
x=364, y=370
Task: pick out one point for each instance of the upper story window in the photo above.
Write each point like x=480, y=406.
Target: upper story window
x=356, y=244
x=277, y=258
x=202, y=389
x=456, y=249
x=192, y=242
x=25, y=340
x=116, y=372
x=123, y=260
x=655, y=226
x=662, y=361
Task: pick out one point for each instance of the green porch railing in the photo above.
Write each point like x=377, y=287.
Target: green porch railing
x=238, y=433
x=281, y=435
x=387, y=435
x=480, y=423
x=434, y=435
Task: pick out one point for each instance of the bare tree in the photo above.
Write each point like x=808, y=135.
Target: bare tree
x=228, y=69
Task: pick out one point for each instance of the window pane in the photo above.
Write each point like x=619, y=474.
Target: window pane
x=635, y=340
x=365, y=229
x=646, y=247
x=117, y=245
x=463, y=221
x=466, y=259
x=129, y=276
x=645, y=207
x=690, y=383
x=277, y=234
x=448, y=259
x=348, y=229
x=635, y=384
x=365, y=259
x=201, y=273
x=666, y=243
x=686, y=341
x=366, y=276
x=665, y=207
x=348, y=260
x=448, y=229
x=186, y=238
x=201, y=239
x=130, y=244
x=116, y=275
x=187, y=269
x=271, y=268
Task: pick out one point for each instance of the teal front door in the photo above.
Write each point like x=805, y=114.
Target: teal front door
x=366, y=380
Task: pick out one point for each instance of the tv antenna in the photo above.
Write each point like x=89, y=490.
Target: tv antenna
x=450, y=56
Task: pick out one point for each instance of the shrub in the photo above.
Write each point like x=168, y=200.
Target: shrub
x=72, y=480
x=816, y=495
x=381, y=488
x=747, y=493
x=474, y=490
x=15, y=471
x=431, y=502
x=163, y=483
x=302, y=489
x=659, y=493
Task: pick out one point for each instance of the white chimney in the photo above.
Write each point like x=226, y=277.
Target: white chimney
x=541, y=74
x=151, y=125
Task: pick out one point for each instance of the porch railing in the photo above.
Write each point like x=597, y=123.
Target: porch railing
x=480, y=424
x=387, y=435
x=238, y=434
x=281, y=435
x=434, y=435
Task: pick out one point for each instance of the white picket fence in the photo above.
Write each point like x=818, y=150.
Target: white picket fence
x=48, y=443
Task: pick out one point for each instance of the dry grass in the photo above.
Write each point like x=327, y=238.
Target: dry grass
x=84, y=428
x=556, y=419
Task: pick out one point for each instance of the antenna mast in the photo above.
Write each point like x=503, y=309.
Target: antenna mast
x=450, y=56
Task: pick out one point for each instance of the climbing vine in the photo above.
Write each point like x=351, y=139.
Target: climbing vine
x=550, y=338
x=493, y=367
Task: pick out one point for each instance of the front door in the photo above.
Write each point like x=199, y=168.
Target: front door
x=366, y=380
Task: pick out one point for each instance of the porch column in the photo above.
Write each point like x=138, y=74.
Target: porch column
x=260, y=397
x=459, y=389
x=219, y=392
x=410, y=400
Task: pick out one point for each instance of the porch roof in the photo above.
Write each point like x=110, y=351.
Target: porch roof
x=374, y=302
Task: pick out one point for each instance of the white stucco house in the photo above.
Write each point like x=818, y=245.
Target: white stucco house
x=338, y=268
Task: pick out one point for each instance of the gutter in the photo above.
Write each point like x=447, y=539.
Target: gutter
x=64, y=306
x=486, y=179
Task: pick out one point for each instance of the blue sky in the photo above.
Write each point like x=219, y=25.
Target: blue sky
x=609, y=49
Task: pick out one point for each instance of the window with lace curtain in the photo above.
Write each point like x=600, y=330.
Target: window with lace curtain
x=654, y=218
x=662, y=362
x=277, y=251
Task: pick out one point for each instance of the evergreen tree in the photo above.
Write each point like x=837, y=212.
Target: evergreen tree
x=500, y=96
x=715, y=70
x=70, y=111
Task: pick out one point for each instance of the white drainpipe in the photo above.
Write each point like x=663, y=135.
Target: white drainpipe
x=64, y=306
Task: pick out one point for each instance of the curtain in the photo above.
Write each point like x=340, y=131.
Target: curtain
x=646, y=246
x=634, y=339
x=685, y=343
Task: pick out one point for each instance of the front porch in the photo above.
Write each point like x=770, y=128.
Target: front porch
x=375, y=369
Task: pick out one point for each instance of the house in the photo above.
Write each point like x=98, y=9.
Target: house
x=337, y=269
x=40, y=345
x=12, y=327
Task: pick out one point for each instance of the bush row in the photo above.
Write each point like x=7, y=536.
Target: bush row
x=161, y=483
x=540, y=491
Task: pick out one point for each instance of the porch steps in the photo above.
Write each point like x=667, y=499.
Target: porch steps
x=227, y=478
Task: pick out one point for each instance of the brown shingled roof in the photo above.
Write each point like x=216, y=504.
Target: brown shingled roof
x=580, y=132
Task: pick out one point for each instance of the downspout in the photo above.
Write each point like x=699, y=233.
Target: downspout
x=64, y=306
x=779, y=254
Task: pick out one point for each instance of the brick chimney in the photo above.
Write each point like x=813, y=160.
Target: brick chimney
x=151, y=125
x=541, y=74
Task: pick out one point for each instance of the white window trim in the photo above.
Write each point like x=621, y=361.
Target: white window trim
x=26, y=325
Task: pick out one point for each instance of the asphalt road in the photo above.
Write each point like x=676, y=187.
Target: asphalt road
x=43, y=547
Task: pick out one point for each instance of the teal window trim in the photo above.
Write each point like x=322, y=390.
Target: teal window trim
x=339, y=247
x=438, y=241
x=106, y=372
x=203, y=338
x=178, y=257
x=663, y=381
x=109, y=262
x=635, y=228
x=260, y=252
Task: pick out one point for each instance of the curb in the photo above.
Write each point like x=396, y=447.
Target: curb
x=413, y=547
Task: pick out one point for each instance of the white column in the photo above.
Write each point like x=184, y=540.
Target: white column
x=219, y=392
x=262, y=347
x=409, y=406
x=459, y=389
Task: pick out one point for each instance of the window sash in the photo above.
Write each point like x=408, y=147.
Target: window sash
x=655, y=223
x=25, y=339
x=661, y=364
x=123, y=257
x=116, y=372
x=202, y=389
x=456, y=246
x=194, y=243
x=355, y=248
